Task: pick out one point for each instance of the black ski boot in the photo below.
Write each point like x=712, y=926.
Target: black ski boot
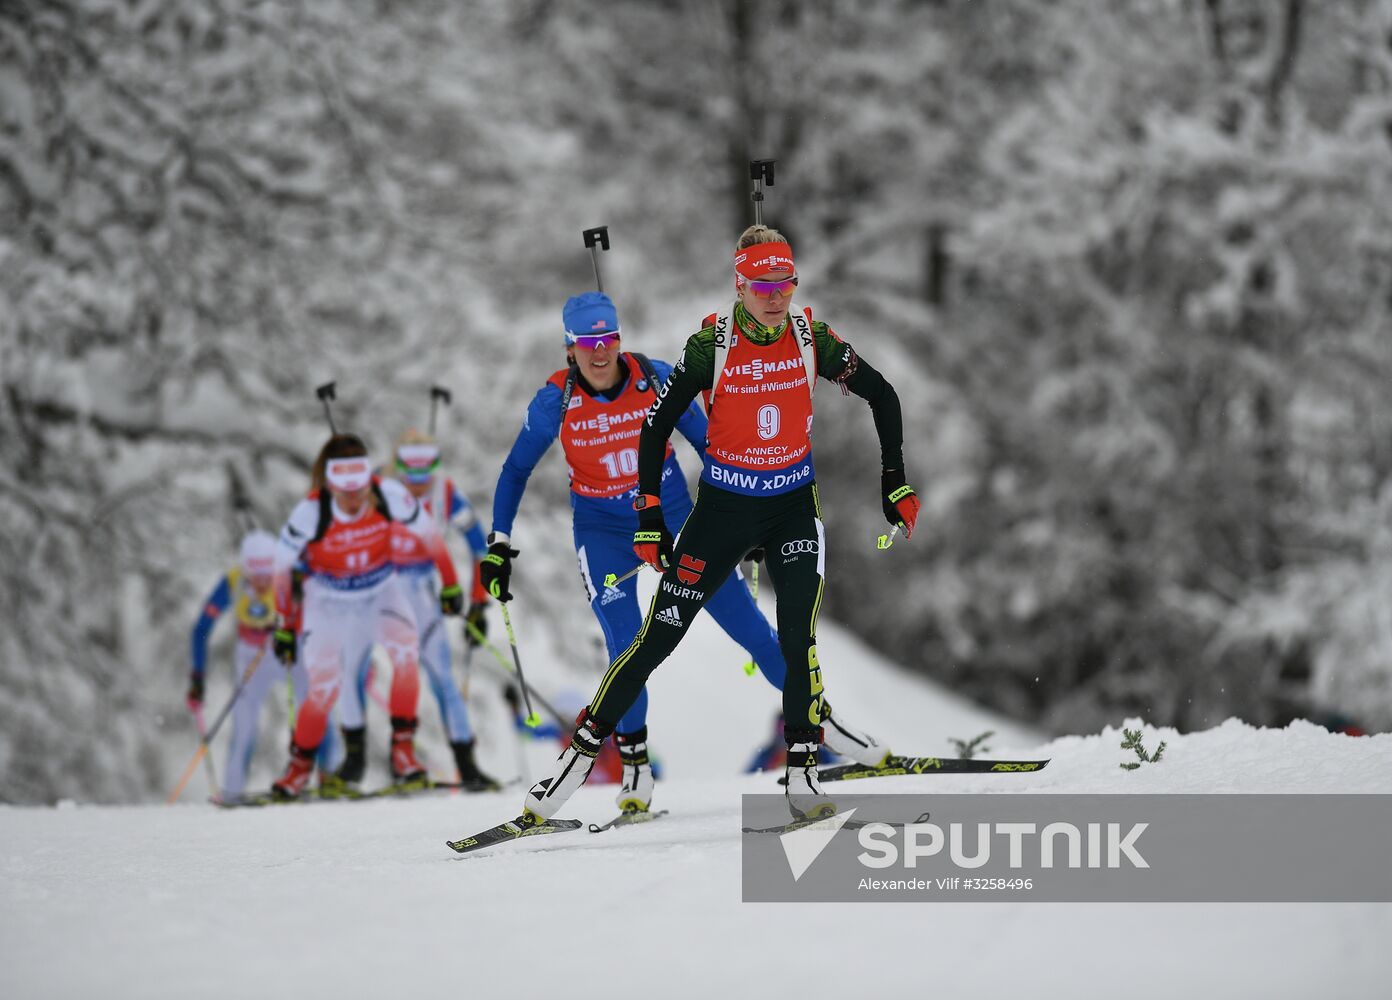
x=471, y=779
x=346, y=781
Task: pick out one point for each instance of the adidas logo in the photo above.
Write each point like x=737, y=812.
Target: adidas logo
x=669, y=616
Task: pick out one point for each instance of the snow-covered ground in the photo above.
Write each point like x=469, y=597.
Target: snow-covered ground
x=347, y=900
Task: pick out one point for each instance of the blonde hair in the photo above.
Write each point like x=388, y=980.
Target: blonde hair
x=412, y=436
x=759, y=234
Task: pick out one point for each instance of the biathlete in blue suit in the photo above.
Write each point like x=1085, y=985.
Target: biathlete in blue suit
x=596, y=407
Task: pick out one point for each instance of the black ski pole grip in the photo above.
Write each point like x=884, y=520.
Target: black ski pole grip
x=759, y=172
x=438, y=393
x=597, y=239
x=325, y=393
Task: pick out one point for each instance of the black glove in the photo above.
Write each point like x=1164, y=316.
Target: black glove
x=495, y=570
x=899, y=500
x=283, y=641
x=451, y=599
x=475, y=624
x=652, y=542
x=195, y=692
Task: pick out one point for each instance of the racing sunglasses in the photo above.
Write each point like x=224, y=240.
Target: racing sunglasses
x=595, y=341
x=417, y=462
x=764, y=289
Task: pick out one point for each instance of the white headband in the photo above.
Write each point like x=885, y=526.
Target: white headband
x=348, y=474
x=418, y=454
x=258, y=552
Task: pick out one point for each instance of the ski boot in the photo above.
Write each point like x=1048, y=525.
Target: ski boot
x=471, y=779
x=636, y=790
x=571, y=769
x=297, y=774
x=406, y=767
x=847, y=741
x=345, y=783
x=804, y=794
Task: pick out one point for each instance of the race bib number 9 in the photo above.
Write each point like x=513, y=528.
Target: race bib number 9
x=769, y=422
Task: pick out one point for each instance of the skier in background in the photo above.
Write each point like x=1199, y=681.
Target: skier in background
x=596, y=406
x=247, y=589
x=417, y=468
x=774, y=754
x=353, y=598
x=608, y=767
x=757, y=365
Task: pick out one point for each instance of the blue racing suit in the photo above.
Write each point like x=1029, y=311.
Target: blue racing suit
x=598, y=433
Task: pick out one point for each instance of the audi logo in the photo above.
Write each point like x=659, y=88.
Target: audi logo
x=800, y=546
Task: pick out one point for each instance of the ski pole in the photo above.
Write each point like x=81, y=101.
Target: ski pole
x=519, y=740
x=468, y=662
x=520, y=752
x=527, y=689
x=325, y=393
x=596, y=239
x=504, y=671
x=290, y=700
x=611, y=580
x=483, y=641
x=533, y=720
x=751, y=667
x=885, y=541
x=438, y=394
x=759, y=172
x=208, y=756
x=203, y=742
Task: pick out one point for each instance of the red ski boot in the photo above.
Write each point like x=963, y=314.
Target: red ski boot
x=297, y=774
x=406, y=767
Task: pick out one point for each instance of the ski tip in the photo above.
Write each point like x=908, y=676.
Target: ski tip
x=628, y=818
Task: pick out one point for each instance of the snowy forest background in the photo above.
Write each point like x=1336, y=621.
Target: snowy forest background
x=1129, y=265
